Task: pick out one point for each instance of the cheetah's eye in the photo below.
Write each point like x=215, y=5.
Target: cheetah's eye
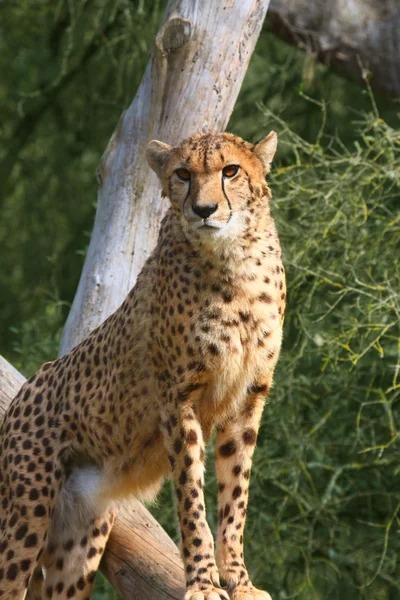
x=230, y=171
x=183, y=174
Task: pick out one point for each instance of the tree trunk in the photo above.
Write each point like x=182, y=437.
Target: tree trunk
x=351, y=36
x=191, y=83
x=11, y=381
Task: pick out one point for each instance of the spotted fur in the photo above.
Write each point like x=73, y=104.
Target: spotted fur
x=192, y=348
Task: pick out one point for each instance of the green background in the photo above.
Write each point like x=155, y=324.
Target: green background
x=324, y=514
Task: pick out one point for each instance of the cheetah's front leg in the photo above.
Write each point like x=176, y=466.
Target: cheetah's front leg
x=185, y=445
x=234, y=452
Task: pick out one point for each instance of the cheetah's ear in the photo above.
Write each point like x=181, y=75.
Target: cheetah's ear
x=157, y=154
x=265, y=150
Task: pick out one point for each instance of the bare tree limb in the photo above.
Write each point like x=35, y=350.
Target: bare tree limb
x=191, y=84
x=350, y=36
x=11, y=382
x=156, y=571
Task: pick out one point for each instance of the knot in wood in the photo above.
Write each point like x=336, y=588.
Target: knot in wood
x=174, y=34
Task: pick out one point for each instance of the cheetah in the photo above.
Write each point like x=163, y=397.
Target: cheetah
x=191, y=349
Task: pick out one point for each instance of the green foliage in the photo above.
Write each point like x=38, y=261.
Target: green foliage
x=326, y=472
x=68, y=70
x=103, y=590
x=324, y=513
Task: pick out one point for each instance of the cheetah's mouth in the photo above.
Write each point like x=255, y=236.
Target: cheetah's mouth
x=207, y=225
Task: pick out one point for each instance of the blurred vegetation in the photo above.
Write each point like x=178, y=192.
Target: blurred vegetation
x=324, y=514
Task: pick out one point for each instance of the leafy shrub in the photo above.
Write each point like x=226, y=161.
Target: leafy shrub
x=324, y=510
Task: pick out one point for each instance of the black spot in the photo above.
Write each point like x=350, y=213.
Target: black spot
x=197, y=542
x=33, y=494
x=31, y=540
x=25, y=564
x=104, y=528
x=69, y=545
x=191, y=437
x=20, y=490
x=91, y=576
x=21, y=532
x=177, y=445
x=92, y=552
x=237, y=492
x=228, y=449
x=265, y=298
x=249, y=437
x=39, y=420
x=12, y=572
x=39, y=511
x=80, y=584
x=257, y=389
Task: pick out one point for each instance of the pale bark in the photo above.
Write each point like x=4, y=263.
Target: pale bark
x=11, y=381
x=350, y=36
x=191, y=84
x=141, y=561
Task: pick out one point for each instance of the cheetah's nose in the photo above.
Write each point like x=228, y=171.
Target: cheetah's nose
x=204, y=210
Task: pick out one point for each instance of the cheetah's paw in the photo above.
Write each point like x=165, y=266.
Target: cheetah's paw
x=210, y=593
x=242, y=592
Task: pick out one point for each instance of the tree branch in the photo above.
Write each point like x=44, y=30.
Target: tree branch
x=352, y=37
x=191, y=84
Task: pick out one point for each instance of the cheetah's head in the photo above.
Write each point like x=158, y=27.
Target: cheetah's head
x=215, y=181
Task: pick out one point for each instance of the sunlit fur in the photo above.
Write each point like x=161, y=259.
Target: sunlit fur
x=242, y=200
x=193, y=347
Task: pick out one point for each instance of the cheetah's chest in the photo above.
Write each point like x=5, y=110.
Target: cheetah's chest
x=239, y=344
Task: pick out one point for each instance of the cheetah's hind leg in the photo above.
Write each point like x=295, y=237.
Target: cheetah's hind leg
x=77, y=537
x=28, y=492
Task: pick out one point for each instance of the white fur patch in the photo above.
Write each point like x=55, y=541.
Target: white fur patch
x=81, y=499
